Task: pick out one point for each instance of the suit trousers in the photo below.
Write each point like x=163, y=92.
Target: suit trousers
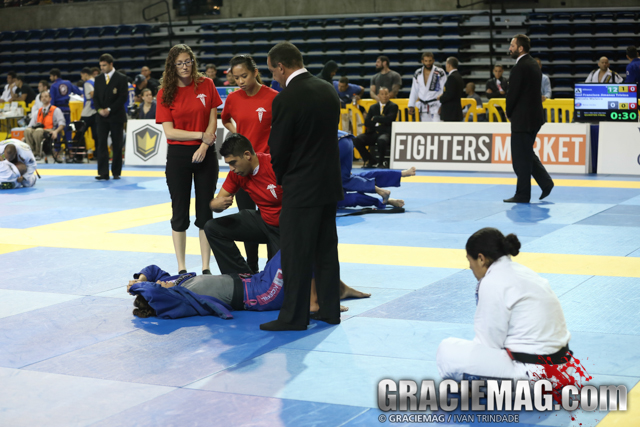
x=245, y=226
x=309, y=246
x=245, y=202
x=361, y=142
x=116, y=129
x=527, y=164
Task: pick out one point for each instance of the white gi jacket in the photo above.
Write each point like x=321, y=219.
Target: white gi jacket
x=25, y=156
x=609, y=77
x=518, y=310
x=427, y=92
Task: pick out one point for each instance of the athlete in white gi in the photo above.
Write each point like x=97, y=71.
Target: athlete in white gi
x=427, y=84
x=24, y=155
x=603, y=74
x=517, y=314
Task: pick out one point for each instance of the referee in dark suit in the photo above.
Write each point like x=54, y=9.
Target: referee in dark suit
x=451, y=97
x=110, y=93
x=524, y=110
x=305, y=159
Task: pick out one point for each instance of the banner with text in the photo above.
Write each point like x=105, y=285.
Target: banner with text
x=619, y=148
x=146, y=144
x=485, y=147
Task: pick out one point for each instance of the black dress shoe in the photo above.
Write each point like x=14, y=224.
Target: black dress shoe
x=516, y=200
x=369, y=165
x=546, y=192
x=102, y=177
x=116, y=176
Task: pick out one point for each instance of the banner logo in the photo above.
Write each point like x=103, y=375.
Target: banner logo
x=495, y=148
x=146, y=142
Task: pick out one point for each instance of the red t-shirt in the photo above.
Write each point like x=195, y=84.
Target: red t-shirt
x=262, y=188
x=190, y=110
x=252, y=115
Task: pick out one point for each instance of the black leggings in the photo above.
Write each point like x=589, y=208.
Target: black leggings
x=180, y=171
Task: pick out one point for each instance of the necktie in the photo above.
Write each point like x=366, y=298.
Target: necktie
x=107, y=77
x=497, y=82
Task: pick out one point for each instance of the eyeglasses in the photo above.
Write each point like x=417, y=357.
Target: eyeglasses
x=184, y=64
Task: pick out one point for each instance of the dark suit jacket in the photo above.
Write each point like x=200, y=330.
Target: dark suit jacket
x=112, y=95
x=304, y=142
x=388, y=116
x=524, y=102
x=451, y=97
x=495, y=92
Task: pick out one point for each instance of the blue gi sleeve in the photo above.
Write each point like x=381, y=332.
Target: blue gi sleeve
x=153, y=273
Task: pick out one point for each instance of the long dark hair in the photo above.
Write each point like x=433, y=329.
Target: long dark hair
x=143, y=309
x=491, y=243
x=169, y=79
x=248, y=62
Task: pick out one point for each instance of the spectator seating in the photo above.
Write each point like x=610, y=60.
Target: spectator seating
x=568, y=43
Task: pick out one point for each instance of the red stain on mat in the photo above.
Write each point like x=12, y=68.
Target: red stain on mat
x=570, y=373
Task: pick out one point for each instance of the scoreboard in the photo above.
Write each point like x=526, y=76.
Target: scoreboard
x=605, y=102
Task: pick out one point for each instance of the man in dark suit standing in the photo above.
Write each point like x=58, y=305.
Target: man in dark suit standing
x=306, y=161
x=378, y=124
x=451, y=110
x=524, y=110
x=110, y=94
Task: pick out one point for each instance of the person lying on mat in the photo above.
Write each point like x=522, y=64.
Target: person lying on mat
x=170, y=297
x=355, y=186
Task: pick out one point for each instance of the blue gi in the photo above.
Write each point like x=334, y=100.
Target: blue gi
x=262, y=292
x=355, y=185
x=60, y=91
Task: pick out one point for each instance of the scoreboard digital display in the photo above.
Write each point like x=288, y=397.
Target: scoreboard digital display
x=605, y=102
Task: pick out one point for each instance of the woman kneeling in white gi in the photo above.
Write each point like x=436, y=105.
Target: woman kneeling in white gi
x=519, y=325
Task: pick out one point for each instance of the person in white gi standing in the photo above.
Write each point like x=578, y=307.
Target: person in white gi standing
x=518, y=317
x=428, y=83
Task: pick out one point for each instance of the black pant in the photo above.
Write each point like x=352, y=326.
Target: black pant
x=116, y=129
x=309, y=244
x=245, y=202
x=526, y=163
x=91, y=124
x=180, y=171
x=245, y=226
x=361, y=142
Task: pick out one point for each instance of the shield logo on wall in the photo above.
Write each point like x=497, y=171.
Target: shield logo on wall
x=147, y=142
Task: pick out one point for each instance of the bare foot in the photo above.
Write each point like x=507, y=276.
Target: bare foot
x=315, y=307
x=398, y=203
x=384, y=194
x=409, y=172
x=348, y=292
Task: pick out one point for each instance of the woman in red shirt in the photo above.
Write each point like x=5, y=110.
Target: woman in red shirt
x=250, y=109
x=186, y=109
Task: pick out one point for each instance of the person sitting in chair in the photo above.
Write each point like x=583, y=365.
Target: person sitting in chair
x=378, y=124
x=48, y=120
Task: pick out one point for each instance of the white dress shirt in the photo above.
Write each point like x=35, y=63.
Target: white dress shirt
x=295, y=74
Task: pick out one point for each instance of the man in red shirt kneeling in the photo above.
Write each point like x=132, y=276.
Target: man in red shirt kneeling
x=253, y=173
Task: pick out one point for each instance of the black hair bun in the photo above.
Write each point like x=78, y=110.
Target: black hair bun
x=512, y=244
